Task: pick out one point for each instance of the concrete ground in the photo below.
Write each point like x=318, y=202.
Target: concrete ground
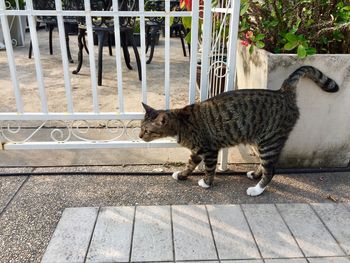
x=32, y=202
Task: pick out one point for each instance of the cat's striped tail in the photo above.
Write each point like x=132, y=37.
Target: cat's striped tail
x=327, y=84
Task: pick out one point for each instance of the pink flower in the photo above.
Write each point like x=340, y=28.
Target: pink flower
x=249, y=34
x=245, y=43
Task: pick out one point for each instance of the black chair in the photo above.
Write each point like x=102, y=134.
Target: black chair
x=104, y=26
x=154, y=25
x=70, y=23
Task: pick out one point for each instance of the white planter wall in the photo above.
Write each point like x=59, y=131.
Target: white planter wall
x=321, y=137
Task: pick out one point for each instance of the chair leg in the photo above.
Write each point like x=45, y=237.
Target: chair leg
x=51, y=27
x=124, y=43
x=182, y=42
x=137, y=56
x=84, y=41
x=152, y=41
x=110, y=44
x=101, y=40
x=30, y=49
x=80, y=53
x=69, y=55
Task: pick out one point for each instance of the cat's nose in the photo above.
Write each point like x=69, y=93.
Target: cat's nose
x=141, y=134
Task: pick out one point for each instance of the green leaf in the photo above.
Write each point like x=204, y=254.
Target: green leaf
x=260, y=44
x=187, y=21
x=291, y=37
x=188, y=38
x=259, y=37
x=310, y=51
x=291, y=45
x=346, y=8
x=244, y=8
x=301, y=51
x=251, y=49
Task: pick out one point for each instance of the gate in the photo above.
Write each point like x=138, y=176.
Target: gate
x=213, y=29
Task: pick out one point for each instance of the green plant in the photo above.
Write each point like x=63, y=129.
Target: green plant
x=137, y=26
x=304, y=27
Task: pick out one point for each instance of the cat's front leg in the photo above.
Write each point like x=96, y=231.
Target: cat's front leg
x=210, y=161
x=193, y=162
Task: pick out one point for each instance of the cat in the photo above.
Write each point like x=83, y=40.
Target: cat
x=259, y=117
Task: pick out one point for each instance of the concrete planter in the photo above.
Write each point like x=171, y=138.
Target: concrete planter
x=17, y=26
x=321, y=137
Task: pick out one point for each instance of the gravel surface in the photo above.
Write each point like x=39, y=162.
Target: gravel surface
x=29, y=220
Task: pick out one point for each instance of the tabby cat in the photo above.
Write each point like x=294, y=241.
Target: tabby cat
x=263, y=118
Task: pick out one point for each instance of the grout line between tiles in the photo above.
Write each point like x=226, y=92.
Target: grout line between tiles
x=290, y=231
x=92, y=234
x=329, y=231
x=251, y=232
x=212, y=233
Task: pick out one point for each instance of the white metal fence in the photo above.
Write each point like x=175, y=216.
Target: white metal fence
x=68, y=130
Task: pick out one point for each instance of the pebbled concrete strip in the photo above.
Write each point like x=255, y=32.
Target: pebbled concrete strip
x=71, y=238
x=193, y=239
x=337, y=218
x=231, y=232
x=9, y=185
x=310, y=233
x=111, y=241
x=270, y=232
x=152, y=239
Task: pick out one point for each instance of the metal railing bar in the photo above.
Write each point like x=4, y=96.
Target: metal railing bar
x=167, y=56
x=143, y=53
x=207, y=24
x=89, y=145
x=37, y=59
x=194, y=50
x=76, y=116
x=11, y=59
x=95, y=13
x=118, y=59
x=66, y=73
x=91, y=57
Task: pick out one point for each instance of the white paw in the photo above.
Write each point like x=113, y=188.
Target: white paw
x=250, y=175
x=201, y=183
x=255, y=191
x=176, y=175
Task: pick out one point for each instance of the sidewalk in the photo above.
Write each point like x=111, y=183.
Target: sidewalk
x=279, y=223
x=182, y=233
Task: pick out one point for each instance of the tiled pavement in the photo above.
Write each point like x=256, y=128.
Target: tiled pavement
x=270, y=233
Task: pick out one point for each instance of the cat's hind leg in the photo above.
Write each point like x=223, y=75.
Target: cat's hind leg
x=255, y=174
x=210, y=161
x=269, y=153
x=193, y=162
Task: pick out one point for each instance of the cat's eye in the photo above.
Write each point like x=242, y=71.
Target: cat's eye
x=147, y=132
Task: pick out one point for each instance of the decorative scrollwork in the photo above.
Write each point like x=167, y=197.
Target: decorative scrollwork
x=64, y=131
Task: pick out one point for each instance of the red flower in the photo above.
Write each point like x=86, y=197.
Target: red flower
x=187, y=4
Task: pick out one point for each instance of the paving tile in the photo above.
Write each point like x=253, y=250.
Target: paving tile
x=242, y=261
x=231, y=232
x=311, y=235
x=285, y=260
x=71, y=238
x=152, y=239
x=192, y=235
x=111, y=241
x=337, y=218
x=270, y=232
x=329, y=260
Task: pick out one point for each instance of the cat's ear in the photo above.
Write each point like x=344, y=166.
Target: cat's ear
x=161, y=119
x=147, y=108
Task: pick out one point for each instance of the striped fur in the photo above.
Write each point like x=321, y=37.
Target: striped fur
x=263, y=118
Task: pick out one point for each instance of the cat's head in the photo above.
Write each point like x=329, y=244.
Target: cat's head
x=155, y=124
